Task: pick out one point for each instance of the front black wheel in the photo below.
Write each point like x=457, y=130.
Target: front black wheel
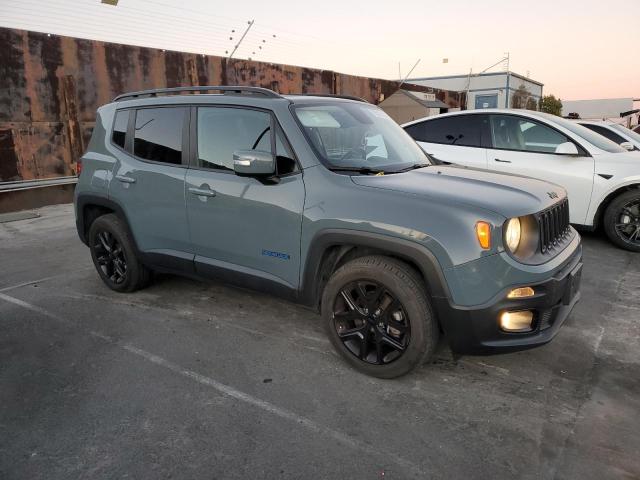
x=622, y=220
x=378, y=316
x=114, y=257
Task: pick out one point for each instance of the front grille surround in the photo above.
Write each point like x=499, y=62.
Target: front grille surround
x=553, y=225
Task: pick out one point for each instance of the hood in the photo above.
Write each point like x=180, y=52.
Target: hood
x=504, y=194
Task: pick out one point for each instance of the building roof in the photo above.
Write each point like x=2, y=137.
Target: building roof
x=422, y=98
x=486, y=74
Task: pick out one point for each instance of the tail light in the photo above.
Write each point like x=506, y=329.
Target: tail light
x=79, y=167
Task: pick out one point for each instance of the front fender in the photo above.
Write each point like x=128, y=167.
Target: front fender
x=415, y=253
x=606, y=192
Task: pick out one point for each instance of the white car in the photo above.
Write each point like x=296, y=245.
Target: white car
x=601, y=178
x=626, y=138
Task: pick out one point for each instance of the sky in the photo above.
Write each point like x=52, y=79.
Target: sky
x=580, y=49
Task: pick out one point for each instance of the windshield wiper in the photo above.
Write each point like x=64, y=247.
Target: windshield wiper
x=364, y=170
x=412, y=167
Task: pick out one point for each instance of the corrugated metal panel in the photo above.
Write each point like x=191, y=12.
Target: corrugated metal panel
x=51, y=86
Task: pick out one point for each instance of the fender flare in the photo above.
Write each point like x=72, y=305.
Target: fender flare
x=407, y=250
x=85, y=199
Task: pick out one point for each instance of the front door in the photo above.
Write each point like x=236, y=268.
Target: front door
x=526, y=147
x=243, y=227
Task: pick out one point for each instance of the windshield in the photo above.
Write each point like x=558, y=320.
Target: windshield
x=590, y=136
x=358, y=136
x=626, y=131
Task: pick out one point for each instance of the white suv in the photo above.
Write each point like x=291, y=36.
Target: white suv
x=626, y=138
x=601, y=178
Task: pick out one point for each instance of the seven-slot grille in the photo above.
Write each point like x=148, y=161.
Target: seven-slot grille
x=553, y=225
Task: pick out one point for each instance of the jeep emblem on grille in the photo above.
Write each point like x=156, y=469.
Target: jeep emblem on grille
x=552, y=194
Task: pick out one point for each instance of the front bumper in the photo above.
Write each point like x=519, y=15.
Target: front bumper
x=476, y=330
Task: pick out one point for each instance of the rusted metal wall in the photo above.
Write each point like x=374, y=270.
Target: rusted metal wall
x=51, y=86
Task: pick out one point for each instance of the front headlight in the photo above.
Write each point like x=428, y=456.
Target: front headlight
x=512, y=234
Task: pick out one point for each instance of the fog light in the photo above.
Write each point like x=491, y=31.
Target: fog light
x=522, y=292
x=516, y=321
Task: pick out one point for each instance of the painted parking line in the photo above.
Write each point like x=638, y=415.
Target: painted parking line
x=305, y=422
x=46, y=279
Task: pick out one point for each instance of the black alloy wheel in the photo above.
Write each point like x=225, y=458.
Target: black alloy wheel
x=110, y=257
x=114, y=255
x=371, y=322
x=628, y=222
x=622, y=220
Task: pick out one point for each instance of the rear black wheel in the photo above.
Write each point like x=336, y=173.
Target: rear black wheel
x=114, y=257
x=378, y=316
x=622, y=220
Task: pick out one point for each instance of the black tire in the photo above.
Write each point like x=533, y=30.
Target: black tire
x=400, y=283
x=113, y=254
x=622, y=220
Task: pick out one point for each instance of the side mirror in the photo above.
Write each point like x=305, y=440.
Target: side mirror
x=567, y=148
x=254, y=163
x=628, y=146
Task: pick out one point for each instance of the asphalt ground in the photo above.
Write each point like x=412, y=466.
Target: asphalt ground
x=201, y=380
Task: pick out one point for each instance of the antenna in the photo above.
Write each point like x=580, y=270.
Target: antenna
x=242, y=38
x=405, y=78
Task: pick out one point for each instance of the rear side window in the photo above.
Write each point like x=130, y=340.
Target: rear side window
x=461, y=130
x=605, y=132
x=120, y=127
x=158, y=134
x=222, y=131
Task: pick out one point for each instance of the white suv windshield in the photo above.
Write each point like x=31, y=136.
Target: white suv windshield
x=358, y=136
x=593, y=138
x=628, y=132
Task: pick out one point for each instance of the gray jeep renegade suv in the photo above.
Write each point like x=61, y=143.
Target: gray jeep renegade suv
x=325, y=201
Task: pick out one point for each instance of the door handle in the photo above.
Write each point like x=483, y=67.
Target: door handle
x=125, y=179
x=502, y=161
x=202, y=192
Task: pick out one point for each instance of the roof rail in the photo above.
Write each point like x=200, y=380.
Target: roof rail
x=232, y=89
x=335, y=95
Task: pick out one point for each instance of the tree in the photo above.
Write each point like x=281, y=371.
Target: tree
x=551, y=104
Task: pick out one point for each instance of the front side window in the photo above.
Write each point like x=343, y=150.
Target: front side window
x=120, y=127
x=158, y=134
x=357, y=135
x=605, y=132
x=518, y=133
x=222, y=131
x=460, y=130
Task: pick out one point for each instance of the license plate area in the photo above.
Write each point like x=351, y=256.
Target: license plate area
x=573, y=284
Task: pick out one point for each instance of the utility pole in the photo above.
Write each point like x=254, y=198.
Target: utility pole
x=241, y=38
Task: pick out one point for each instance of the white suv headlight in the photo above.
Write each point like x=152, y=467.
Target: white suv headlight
x=512, y=234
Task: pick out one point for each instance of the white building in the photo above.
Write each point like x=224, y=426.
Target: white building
x=602, y=109
x=489, y=90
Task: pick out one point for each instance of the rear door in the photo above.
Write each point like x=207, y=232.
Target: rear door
x=455, y=139
x=149, y=178
x=524, y=146
x=243, y=227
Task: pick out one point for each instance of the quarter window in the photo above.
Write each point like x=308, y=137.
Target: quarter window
x=461, y=130
x=517, y=133
x=158, y=134
x=222, y=131
x=120, y=127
